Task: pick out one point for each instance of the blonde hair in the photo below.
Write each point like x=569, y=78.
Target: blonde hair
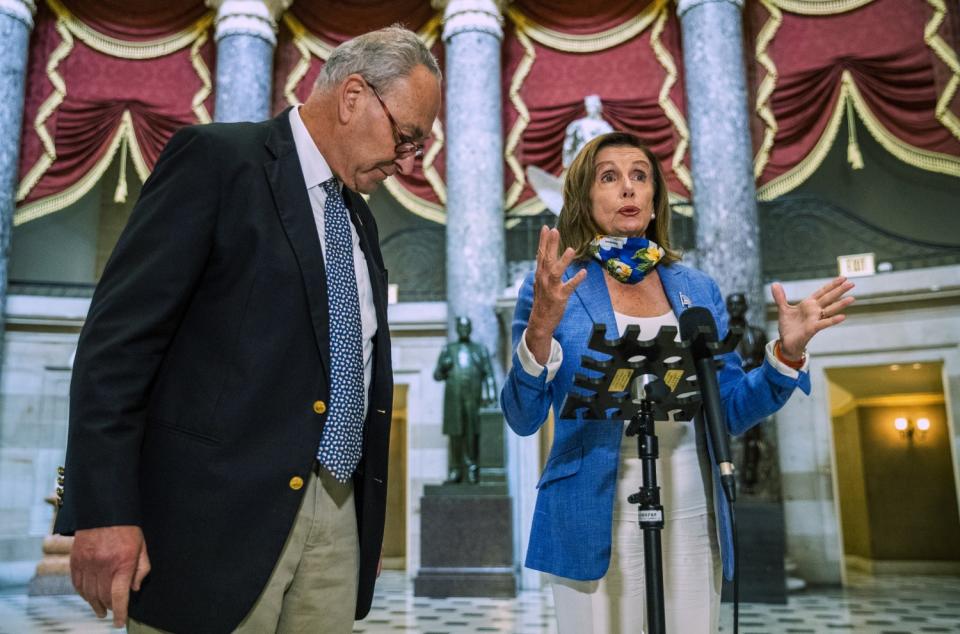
x=576, y=224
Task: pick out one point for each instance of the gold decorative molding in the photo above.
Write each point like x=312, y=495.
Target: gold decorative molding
x=429, y=171
x=420, y=206
x=300, y=69
x=206, y=85
x=591, y=43
x=529, y=207
x=523, y=119
x=766, y=87
x=949, y=57
x=47, y=108
x=666, y=103
x=126, y=49
x=819, y=7
x=854, y=157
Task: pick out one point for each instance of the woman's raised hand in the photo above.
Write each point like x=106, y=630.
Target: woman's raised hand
x=798, y=323
x=550, y=293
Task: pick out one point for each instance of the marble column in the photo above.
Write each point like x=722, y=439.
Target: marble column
x=16, y=22
x=246, y=35
x=724, y=195
x=476, y=268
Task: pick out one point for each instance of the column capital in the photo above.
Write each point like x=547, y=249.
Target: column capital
x=460, y=16
x=22, y=10
x=257, y=18
x=685, y=5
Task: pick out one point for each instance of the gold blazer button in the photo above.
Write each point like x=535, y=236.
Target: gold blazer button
x=319, y=407
x=296, y=483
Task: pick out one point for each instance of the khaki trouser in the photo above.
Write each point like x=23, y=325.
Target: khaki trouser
x=313, y=587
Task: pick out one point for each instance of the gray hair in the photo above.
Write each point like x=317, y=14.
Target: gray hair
x=380, y=57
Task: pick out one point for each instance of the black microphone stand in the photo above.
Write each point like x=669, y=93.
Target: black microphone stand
x=650, y=512
x=643, y=381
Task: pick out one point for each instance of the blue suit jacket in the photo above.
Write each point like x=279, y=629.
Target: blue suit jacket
x=573, y=520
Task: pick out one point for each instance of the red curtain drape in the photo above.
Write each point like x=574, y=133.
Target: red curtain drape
x=628, y=78
x=97, y=88
x=579, y=18
x=137, y=20
x=881, y=46
x=336, y=22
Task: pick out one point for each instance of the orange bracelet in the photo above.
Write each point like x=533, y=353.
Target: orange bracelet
x=796, y=365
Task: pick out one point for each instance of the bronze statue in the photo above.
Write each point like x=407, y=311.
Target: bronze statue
x=752, y=349
x=466, y=368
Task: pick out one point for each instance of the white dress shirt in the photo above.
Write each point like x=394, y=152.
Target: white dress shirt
x=315, y=172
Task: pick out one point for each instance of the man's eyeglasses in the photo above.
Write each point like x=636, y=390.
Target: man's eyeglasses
x=406, y=147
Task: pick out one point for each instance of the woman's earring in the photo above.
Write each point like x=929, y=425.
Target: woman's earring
x=653, y=215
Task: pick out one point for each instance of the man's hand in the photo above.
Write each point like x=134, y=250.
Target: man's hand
x=105, y=564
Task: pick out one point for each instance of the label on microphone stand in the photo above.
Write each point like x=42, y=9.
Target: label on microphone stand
x=651, y=516
x=620, y=380
x=672, y=378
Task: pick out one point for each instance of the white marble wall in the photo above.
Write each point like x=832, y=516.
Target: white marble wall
x=901, y=317
x=39, y=343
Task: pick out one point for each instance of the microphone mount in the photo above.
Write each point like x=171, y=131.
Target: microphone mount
x=609, y=391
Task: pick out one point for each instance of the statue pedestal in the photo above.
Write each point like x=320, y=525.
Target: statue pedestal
x=466, y=542
x=466, y=530
x=53, y=571
x=762, y=548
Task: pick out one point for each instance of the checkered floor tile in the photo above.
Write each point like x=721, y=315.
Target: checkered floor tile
x=868, y=605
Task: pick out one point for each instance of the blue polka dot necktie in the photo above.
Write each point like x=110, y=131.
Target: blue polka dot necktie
x=342, y=441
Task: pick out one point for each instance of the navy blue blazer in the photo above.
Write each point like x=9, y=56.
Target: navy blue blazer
x=573, y=519
x=193, y=400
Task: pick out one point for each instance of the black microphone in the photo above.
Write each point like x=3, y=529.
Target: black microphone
x=698, y=327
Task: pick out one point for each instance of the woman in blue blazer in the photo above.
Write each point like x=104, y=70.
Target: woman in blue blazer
x=609, y=262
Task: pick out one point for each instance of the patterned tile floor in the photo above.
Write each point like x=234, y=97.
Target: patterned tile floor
x=886, y=605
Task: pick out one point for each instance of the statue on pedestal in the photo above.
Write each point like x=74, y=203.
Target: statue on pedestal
x=549, y=188
x=468, y=372
x=752, y=349
x=584, y=129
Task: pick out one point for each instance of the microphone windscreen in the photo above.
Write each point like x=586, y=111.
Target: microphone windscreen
x=695, y=318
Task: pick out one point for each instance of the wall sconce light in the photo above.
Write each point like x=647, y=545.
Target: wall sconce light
x=907, y=428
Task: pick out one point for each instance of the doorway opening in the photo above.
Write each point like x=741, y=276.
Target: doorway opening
x=395, y=528
x=894, y=470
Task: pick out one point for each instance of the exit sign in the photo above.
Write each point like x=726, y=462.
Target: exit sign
x=856, y=265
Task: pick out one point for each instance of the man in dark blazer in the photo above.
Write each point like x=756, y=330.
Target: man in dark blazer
x=205, y=471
